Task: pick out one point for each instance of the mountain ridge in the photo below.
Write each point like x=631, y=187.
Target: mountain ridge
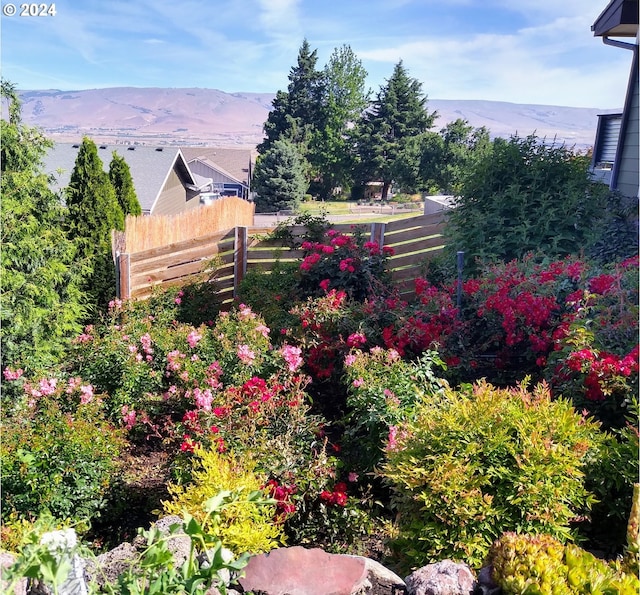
x=198, y=116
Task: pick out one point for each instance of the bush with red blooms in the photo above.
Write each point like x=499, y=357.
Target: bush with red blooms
x=347, y=263
x=595, y=354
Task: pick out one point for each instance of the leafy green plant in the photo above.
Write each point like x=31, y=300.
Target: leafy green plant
x=382, y=390
x=59, y=452
x=484, y=461
x=524, y=195
x=153, y=571
x=242, y=526
x=542, y=564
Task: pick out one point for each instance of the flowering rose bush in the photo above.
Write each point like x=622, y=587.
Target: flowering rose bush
x=595, y=357
x=382, y=390
x=59, y=452
x=343, y=262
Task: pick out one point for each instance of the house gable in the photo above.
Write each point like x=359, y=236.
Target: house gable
x=620, y=19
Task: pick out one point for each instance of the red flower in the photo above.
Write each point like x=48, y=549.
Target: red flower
x=602, y=284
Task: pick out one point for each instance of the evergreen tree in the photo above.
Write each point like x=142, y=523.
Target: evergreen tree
x=41, y=304
x=345, y=99
x=120, y=178
x=387, y=133
x=296, y=113
x=279, y=179
x=93, y=211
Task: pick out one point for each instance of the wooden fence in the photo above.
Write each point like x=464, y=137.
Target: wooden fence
x=146, y=232
x=227, y=256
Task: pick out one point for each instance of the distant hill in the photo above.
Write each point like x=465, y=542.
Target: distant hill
x=212, y=117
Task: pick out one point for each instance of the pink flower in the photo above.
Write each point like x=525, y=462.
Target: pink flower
x=245, y=313
x=193, y=338
x=356, y=340
x=349, y=359
x=48, y=386
x=145, y=341
x=10, y=374
x=292, y=356
x=263, y=330
x=392, y=441
x=324, y=284
x=87, y=394
x=128, y=417
x=358, y=382
x=203, y=398
x=245, y=354
x=353, y=477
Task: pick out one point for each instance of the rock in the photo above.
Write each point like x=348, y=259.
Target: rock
x=6, y=560
x=107, y=567
x=381, y=580
x=486, y=585
x=443, y=578
x=180, y=543
x=300, y=571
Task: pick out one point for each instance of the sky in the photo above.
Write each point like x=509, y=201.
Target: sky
x=520, y=51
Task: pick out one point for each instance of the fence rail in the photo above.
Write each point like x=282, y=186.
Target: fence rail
x=228, y=255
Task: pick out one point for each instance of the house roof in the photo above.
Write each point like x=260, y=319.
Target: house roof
x=618, y=19
x=235, y=163
x=149, y=166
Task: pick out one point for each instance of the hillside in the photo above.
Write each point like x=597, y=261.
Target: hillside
x=212, y=117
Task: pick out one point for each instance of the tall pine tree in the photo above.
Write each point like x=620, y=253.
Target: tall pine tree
x=296, y=113
x=41, y=305
x=387, y=133
x=93, y=211
x=122, y=182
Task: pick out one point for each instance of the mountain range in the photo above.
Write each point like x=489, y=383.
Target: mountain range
x=169, y=116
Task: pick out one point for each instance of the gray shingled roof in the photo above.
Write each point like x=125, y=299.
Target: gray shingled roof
x=235, y=162
x=149, y=166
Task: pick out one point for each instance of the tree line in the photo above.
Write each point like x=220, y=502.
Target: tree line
x=56, y=264
x=326, y=136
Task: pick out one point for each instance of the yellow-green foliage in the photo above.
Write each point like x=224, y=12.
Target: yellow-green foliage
x=541, y=565
x=632, y=552
x=244, y=526
x=483, y=461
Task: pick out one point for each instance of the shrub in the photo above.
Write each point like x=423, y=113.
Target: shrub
x=243, y=526
x=345, y=263
x=595, y=357
x=522, y=195
x=59, y=454
x=382, y=390
x=541, y=564
x=485, y=461
x=272, y=294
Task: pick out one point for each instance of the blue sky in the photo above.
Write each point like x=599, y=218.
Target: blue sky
x=521, y=51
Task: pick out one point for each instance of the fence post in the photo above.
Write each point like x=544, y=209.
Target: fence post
x=377, y=233
x=123, y=278
x=240, y=257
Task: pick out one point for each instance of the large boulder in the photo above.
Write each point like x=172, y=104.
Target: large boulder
x=442, y=578
x=300, y=571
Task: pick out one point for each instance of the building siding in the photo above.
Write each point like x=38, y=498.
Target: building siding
x=628, y=178
x=174, y=197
